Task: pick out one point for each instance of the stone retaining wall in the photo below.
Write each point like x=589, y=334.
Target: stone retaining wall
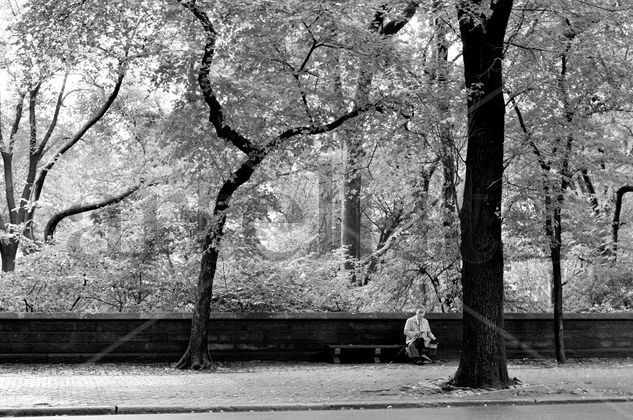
x=32, y=337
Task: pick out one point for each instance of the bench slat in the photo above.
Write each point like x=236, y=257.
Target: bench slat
x=377, y=349
x=365, y=346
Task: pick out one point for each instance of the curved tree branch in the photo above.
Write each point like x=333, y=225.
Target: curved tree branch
x=616, y=214
x=216, y=114
x=49, y=230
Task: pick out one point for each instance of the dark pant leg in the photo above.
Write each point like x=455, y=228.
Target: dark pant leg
x=419, y=345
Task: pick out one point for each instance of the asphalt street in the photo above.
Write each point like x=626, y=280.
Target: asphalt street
x=602, y=411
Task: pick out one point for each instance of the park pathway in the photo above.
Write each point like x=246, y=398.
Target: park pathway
x=287, y=386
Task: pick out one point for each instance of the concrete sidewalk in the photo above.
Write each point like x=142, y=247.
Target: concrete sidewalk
x=130, y=388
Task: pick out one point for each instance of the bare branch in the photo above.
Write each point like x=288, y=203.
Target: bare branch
x=528, y=136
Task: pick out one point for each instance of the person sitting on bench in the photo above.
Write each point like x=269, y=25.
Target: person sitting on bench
x=419, y=337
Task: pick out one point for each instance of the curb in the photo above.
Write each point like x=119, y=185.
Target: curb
x=56, y=411
x=359, y=405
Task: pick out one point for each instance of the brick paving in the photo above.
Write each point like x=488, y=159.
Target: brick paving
x=37, y=386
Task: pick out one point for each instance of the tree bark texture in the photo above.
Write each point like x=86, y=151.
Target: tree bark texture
x=350, y=203
x=483, y=358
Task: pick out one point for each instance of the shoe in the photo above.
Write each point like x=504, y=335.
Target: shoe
x=427, y=358
x=419, y=362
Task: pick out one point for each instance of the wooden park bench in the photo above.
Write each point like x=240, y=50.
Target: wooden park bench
x=378, y=348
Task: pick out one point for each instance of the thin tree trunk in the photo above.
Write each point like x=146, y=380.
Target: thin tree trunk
x=615, y=225
x=197, y=353
x=557, y=286
x=447, y=157
x=447, y=144
x=113, y=234
x=483, y=359
x=553, y=233
x=565, y=177
x=354, y=153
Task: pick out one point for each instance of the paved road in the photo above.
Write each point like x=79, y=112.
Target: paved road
x=604, y=411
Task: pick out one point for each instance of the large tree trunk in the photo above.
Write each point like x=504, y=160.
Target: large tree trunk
x=8, y=251
x=350, y=204
x=197, y=354
x=326, y=196
x=483, y=358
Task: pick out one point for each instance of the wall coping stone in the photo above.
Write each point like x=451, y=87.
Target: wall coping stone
x=296, y=316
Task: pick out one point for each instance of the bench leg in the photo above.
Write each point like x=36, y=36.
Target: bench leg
x=337, y=355
x=377, y=355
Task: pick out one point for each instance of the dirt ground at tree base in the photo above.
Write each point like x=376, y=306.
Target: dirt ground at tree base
x=290, y=383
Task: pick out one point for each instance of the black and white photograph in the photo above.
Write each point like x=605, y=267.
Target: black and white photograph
x=320, y=210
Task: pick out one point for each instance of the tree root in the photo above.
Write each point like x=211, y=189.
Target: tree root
x=196, y=361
